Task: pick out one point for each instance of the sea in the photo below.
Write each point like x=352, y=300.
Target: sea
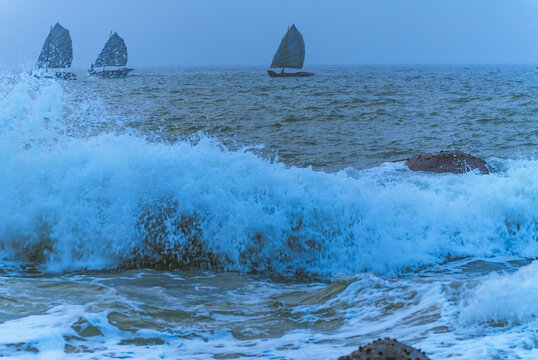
x=217, y=213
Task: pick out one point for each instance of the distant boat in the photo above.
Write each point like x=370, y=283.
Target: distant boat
x=114, y=53
x=290, y=54
x=57, y=53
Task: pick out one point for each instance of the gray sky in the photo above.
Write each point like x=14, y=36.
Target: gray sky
x=247, y=32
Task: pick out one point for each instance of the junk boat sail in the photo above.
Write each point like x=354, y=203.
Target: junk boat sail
x=57, y=53
x=114, y=53
x=290, y=54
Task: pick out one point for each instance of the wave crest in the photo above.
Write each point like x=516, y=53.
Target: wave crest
x=97, y=199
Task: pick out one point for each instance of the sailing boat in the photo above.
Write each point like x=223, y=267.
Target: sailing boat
x=114, y=53
x=57, y=53
x=290, y=54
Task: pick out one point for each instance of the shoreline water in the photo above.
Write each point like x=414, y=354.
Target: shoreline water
x=289, y=189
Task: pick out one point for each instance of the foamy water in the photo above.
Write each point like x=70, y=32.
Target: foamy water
x=125, y=233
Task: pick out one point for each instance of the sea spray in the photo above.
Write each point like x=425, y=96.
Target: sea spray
x=72, y=201
x=87, y=183
x=502, y=300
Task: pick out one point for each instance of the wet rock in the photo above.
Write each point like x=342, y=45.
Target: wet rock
x=386, y=349
x=454, y=161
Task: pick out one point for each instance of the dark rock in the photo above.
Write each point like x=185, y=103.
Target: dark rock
x=447, y=161
x=386, y=349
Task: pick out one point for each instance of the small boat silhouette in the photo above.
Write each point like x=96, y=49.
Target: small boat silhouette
x=290, y=54
x=114, y=53
x=56, y=54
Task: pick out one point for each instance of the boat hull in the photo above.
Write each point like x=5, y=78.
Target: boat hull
x=111, y=74
x=65, y=76
x=295, y=74
x=60, y=75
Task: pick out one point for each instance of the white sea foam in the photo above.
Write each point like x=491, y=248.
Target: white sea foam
x=503, y=299
x=70, y=202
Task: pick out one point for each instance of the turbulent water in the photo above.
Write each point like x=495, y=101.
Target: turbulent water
x=218, y=213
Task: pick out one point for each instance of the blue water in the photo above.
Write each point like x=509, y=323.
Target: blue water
x=220, y=213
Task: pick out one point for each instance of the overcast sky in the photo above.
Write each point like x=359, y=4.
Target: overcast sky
x=247, y=32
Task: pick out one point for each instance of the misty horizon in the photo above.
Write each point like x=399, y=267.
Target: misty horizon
x=240, y=33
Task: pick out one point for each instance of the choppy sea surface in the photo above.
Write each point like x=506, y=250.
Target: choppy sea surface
x=216, y=213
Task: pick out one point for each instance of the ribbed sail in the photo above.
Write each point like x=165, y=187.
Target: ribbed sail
x=114, y=53
x=290, y=53
x=57, y=51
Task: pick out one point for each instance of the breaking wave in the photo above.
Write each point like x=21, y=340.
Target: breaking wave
x=503, y=299
x=79, y=193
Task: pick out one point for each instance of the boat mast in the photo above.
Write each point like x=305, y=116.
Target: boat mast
x=47, y=68
x=285, y=50
x=109, y=36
